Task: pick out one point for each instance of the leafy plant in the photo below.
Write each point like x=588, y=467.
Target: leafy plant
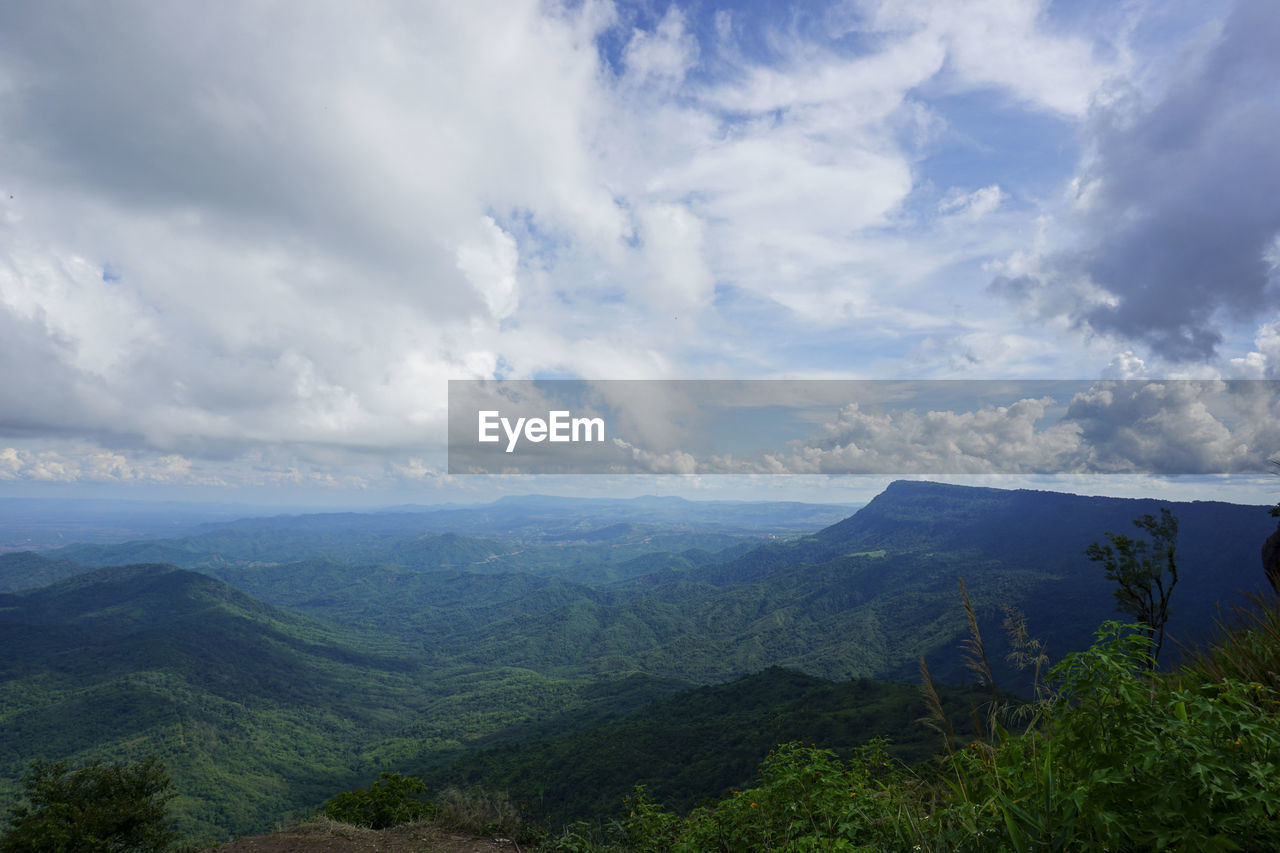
x=1125, y=763
x=806, y=799
x=390, y=801
x=647, y=827
x=99, y=808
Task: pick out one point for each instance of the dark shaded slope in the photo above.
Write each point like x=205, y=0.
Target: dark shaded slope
x=701, y=743
x=898, y=559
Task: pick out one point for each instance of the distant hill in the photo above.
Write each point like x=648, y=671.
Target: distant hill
x=864, y=597
x=895, y=564
x=29, y=570
x=589, y=540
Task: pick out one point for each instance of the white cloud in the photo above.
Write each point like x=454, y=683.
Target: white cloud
x=1005, y=44
x=647, y=462
x=660, y=59
x=974, y=205
x=678, y=278
x=491, y=266
x=239, y=234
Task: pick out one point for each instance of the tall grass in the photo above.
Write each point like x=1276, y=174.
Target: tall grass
x=1246, y=647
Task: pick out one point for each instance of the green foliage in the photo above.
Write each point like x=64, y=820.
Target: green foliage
x=1141, y=570
x=99, y=808
x=390, y=801
x=1124, y=763
x=804, y=799
x=646, y=826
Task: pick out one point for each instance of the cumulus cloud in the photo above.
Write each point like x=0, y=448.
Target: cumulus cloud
x=83, y=463
x=1157, y=426
x=1174, y=204
x=989, y=439
x=1169, y=428
x=250, y=236
x=641, y=461
x=260, y=236
x=661, y=58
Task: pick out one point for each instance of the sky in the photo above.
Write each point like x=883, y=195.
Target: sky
x=244, y=246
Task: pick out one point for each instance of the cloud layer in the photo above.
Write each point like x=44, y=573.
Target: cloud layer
x=247, y=242
x=1165, y=428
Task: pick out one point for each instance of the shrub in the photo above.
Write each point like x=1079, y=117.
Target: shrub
x=392, y=800
x=805, y=799
x=646, y=827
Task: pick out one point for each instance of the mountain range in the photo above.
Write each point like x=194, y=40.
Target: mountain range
x=274, y=662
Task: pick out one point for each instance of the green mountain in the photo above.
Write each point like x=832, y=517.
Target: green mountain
x=258, y=712
x=269, y=684
x=29, y=570
x=864, y=598
x=254, y=709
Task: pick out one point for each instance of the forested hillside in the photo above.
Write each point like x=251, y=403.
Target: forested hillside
x=310, y=654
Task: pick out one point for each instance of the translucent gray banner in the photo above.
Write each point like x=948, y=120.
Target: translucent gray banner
x=863, y=426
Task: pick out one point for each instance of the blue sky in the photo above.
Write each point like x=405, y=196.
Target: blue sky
x=244, y=246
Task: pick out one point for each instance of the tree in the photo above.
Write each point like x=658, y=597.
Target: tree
x=99, y=808
x=1145, y=571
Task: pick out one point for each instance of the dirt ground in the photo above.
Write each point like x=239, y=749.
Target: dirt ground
x=329, y=837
